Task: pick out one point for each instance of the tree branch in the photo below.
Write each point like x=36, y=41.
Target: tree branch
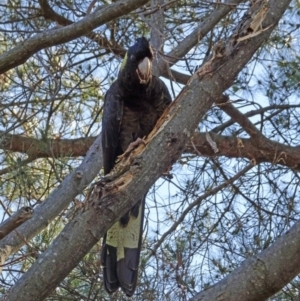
x=103, y=42
x=193, y=39
x=162, y=147
x=240, y=118
x=252, y=113
x=19, y=54
x=15, y=221
x=229, y=146
x=260, y=276
x=37, y=148
x=264, y=149
x=57, y=201
x=157, y=32
x=234, y=147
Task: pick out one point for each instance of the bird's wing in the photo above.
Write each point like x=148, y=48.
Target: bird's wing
x=131, y=224
x=112, y=117
x=160, y=94
x=122, y=242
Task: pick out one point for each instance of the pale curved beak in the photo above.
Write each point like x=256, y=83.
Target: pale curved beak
x=144, y=70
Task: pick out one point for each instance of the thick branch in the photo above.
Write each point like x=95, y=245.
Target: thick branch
x=157, y=30
x=260, y=276
x=163, y=146
x=264, y=149
x=194, y=38
x=234, y=147
x=19, y=54
x=36, y=148
x=57, y=201
x=103, y=42
x=13, y=222
x=228, y=146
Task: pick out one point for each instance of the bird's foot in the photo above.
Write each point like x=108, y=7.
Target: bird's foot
x=132, y=146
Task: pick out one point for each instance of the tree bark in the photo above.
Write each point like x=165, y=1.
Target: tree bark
x=37, y=148
x=193, y=39
x=135, y=175
x=71, y=186
x=57, y=201
x=13, y=222
x=229, y=146
x=26, y=49
x=261, y=276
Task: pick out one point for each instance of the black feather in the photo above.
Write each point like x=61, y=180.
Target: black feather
x=133, y=104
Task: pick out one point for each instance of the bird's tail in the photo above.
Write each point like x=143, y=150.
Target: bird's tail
x=121, y=251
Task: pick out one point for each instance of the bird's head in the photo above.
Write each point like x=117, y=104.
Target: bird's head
x=138, y=60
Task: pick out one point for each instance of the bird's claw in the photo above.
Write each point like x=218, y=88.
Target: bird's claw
x=132, y=146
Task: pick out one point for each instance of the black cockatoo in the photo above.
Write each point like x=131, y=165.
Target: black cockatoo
x=132, y=106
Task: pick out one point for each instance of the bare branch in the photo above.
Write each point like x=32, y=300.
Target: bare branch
x=229, y=146
x=38, y=148
x=57, y=201
x=19, y=54
x=237, y=116
x=157, y=30
x=261, y=111
x=235, y=147
x=167, y=139
x=102, y=41
x=21, y=216
x=262, y=275
x=197, y=202
x=195, y=37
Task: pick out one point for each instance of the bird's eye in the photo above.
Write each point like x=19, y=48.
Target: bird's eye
x=132, y=57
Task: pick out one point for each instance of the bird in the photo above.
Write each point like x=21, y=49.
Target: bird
x=132, y=105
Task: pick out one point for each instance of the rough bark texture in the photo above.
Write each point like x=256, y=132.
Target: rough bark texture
x=64, y=194
x=235, y=147
x=229, y=146
x=262, y=275
x=193, y=39
x=37, y=148
x=58, y=200
x=157, y=32
x=15, y=221
x=145, y=164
